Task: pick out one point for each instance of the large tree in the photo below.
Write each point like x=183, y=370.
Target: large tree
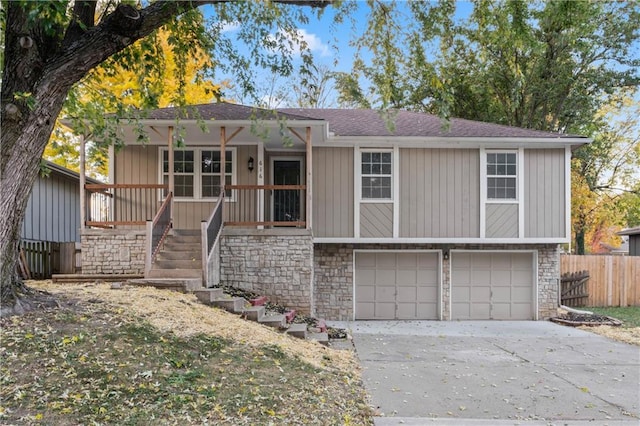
x=51, y=46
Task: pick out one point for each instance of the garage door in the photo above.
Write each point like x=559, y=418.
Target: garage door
x=396, y=285
x=492, y=286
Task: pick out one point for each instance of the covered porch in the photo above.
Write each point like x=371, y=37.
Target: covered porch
x=237, y=179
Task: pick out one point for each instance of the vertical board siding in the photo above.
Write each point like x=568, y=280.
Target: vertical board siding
x=137, y=164
x=141, y=164
x=376, y=220
x=439, y=193
x=502, y=221
x=613, y=280
x=53, y=210
x=333, y=192
x=544, y=197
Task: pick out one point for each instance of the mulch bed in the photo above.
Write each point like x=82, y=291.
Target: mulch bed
x=574, y=319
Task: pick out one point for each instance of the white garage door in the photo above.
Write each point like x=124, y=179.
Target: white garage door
x=397, y=285
x=488, y=285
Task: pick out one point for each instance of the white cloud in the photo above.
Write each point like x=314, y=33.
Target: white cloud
x=230, y=26
x=314, y=43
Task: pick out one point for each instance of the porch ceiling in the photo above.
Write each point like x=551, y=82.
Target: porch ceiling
x=268, y=133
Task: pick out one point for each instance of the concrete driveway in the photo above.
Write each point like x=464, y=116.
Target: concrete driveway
x=496, y=372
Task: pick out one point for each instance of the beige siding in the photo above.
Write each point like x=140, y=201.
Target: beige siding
x=136, y=164
x=544, y=193
x=439, y=193
x=333, y=192
x=140, y=164
x=502, y=221
x=376, y=220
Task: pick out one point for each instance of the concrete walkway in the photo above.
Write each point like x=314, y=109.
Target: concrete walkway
x=496, y=373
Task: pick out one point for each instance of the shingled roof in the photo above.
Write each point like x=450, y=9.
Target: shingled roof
x=221, y=111
x=358, y=122
x=368, y=122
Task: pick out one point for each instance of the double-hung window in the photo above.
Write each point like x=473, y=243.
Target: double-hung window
x=197, y=172
x=502, y=176
x=376, y=175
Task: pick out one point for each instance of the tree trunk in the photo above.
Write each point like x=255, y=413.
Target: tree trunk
x=580, y=242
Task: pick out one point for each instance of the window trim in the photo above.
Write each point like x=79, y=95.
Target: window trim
x=391, y=175
x=197, y=174
x=487, y=176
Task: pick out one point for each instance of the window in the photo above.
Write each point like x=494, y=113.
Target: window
x=502, y=176
x=376, y=175
x=197, y=172
x=210, y=168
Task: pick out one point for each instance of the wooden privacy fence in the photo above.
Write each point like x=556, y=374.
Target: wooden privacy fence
x=44, y=258
x=574, y=288
x=613, y=280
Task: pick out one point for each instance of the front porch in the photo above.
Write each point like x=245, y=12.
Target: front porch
x=221, y=197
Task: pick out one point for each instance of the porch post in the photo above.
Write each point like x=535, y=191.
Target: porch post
x=260, y=182
x=171, y=183
x=309, y=179
x=223, y=156
x=83, y=198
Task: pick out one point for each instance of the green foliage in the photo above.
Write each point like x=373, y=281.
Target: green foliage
x=543, y=65
x=630, y=316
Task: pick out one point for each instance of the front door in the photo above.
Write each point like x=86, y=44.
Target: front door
x=285, y=203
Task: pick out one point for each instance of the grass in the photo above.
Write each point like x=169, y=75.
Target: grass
x=86, y=363
x=630, y=315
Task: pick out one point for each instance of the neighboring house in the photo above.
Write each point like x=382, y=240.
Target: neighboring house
x=52, y=216
x=330, y=212
x=634, y=240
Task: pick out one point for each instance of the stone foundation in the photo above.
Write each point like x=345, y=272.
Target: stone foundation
x=333, y=264
x=277, y=263
x=113, y=251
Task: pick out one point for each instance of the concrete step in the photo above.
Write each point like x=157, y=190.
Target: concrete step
x=178, y=255
x=322, y=338
x=172, y=246
x=193, y=263
x=230, y=304
x=175, y=284
x=185, y=232
x=297, y=330
x=175, y=273
x=253, y=313
x=275, y=320
x=182, y=239
x=208, y=295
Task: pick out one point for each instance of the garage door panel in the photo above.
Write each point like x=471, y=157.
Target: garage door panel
x=501, y=295
x=407, y=261
x=496, y=285
x=428, y=261
x=461, y=276
x=427, y=310
x=480, y=277
x=387, y=262
x=502, y=278
x=397, y=285
x=480, y=294
x=480, y=311
x=428, y=277
x=521, y=294
x=522, y=278
x=407, y=294
x=407, y=278
x=427, y=294
x=367, y=260
x=385, y=310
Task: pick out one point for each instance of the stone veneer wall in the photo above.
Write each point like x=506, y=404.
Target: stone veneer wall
x=113, y=251
x=333, y=264
x=277, y=263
